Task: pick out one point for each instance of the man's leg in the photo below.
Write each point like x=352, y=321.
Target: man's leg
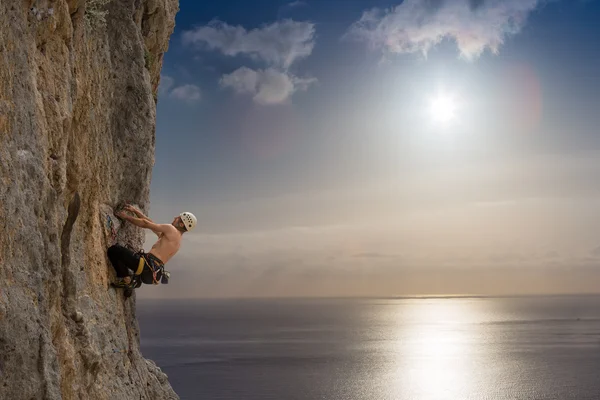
x=123, y=260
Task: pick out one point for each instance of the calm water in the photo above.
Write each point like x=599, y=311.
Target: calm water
x=490, y=348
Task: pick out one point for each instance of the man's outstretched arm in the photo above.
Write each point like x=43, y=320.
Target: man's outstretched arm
x=137, y=212
x=144, y=223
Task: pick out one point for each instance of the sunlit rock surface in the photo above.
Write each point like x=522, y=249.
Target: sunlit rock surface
x=78, y=80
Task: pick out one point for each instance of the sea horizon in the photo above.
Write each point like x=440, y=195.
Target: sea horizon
x=399, y=297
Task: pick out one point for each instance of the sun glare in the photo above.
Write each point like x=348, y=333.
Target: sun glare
x=443, y=108
x=437, y=358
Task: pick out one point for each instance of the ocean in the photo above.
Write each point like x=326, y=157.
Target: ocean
x=377, y=349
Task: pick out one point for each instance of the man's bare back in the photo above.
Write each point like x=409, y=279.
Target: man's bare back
x=168, y=243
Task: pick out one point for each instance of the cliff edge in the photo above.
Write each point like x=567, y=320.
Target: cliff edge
x=78, y=83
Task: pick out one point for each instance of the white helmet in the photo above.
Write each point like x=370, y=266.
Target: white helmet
x=189, y=220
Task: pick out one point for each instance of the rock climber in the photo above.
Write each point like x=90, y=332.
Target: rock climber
x=133, y=268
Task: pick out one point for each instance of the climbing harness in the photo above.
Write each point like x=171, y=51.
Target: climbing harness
x=149, y=262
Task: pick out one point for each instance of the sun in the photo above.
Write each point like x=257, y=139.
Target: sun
x=443, y=108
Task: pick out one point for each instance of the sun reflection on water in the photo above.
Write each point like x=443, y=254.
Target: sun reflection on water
x=435, y=350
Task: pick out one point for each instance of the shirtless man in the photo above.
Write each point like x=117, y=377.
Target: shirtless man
x=126, y=261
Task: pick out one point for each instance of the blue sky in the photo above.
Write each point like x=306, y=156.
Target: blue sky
x=305, y=138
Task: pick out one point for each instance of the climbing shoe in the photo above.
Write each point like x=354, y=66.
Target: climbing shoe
x=128, y=292
x=120, y=283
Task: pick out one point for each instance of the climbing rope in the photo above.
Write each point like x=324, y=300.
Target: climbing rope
x=111, y=228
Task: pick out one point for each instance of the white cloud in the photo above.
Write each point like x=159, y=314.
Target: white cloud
x=418, y=25
x=166, y=83
x=267, y=86
x=280, y=43
x=186, y=93
x=242, y=80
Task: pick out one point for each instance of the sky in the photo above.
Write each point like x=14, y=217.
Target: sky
x=381, y=148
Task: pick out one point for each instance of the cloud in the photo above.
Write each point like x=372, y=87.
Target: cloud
x=267, y=87
x=186, y=93
x=292, y=8
x=166, y=83
x=297, y=3
x=415, y=26
x=183, y=92
x=280, y=43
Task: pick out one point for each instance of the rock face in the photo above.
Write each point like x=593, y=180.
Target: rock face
x=78, y=80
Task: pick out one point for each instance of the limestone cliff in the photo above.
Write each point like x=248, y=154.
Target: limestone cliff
x=78, y=80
